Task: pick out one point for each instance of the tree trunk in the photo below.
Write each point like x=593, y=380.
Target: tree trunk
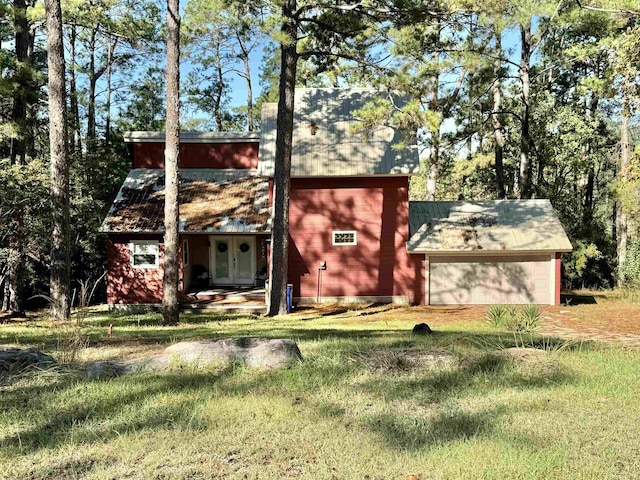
x=60, y=270
x=434, y=148
x=218, y=92
x=588, y=204
x=31, y=99
x=15, y=263
x=432, y=169
x=250, y=120
x=76, y=140
x=111, y=46
x=622, y=220
x=170, y=312
x=247, y=76
x=523, y=185
x=21, y=78
x=498, y=131
x=15, y=257
x=93, y=80
x=282, y=174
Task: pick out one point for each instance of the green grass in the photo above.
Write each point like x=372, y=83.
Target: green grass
x=361, y=405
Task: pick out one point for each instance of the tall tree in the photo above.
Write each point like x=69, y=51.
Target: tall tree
x=21, y=98
x=220, y=40
x=60, y=264
x=523, y=182
x=170, y=311
x=329, y=30
x=496, y=116
x=282, y=173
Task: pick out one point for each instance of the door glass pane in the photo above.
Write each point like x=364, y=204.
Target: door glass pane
x=222, y=259
x=243, y=260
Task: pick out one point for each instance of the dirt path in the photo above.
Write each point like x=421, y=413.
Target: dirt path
x=602, y=318
x=590, y=316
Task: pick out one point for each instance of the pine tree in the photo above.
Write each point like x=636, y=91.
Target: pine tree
x=60, y=264
x=282, y=174
x=170, y=311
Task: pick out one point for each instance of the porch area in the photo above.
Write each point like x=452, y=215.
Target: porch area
x=224, y=272
x=248, y=299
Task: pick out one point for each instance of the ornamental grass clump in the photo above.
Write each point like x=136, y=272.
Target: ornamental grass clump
x=518, y=321
x=528, y=319
x=511, y=318
x=500, y=316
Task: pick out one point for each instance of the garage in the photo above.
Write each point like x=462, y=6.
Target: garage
x=491, y=279
x=489, y=252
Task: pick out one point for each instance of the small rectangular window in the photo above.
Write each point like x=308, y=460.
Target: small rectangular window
x=144, y=253
x=345, y=237
x=185, y=252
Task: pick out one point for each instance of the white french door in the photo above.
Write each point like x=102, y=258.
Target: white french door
x=232, y=260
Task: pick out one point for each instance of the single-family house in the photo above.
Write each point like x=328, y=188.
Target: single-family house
x=354, y=234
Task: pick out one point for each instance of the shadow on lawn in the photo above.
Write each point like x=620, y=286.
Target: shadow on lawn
x=97, y=411
x=113, y=408
x=572, y=299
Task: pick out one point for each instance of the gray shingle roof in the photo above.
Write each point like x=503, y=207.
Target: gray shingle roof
x=323, y=143
x=485, y=226
x=215, y=201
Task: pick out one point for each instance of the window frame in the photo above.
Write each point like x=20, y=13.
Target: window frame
x=132, y=254
x=334, y=233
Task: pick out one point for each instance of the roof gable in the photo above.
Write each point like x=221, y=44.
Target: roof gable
x=323, y=141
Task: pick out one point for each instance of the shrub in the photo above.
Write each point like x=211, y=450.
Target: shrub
x=528, y=319
x=509, y=317
x=629, y=274
x=497, y=316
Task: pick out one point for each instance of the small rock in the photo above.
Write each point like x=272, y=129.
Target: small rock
x=422, y=329
x=106, y=369
x=16, y=360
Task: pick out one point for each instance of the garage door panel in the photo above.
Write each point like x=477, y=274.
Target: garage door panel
x=489, y=280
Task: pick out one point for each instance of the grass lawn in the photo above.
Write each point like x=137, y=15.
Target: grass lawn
x=365, y=404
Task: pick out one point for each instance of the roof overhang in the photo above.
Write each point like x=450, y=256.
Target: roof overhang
x=193, y=137
x=483, y=253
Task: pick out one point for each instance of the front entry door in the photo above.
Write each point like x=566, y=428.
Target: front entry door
x=232, y=260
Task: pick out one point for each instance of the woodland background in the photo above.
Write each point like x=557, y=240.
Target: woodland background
x=517, y=99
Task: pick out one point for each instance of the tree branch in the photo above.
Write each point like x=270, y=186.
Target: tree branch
x=360, y=61
x=621, y=11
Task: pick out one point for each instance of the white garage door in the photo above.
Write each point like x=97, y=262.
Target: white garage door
x=487, y=280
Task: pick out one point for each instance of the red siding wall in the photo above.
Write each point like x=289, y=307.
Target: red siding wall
x=377, y=209
x=128, y=285
x=238, y=155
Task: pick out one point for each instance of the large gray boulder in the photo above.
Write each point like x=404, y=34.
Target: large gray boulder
x=252, y=352
x=16, y=360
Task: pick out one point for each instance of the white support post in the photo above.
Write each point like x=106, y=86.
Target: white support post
x=552, y=279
